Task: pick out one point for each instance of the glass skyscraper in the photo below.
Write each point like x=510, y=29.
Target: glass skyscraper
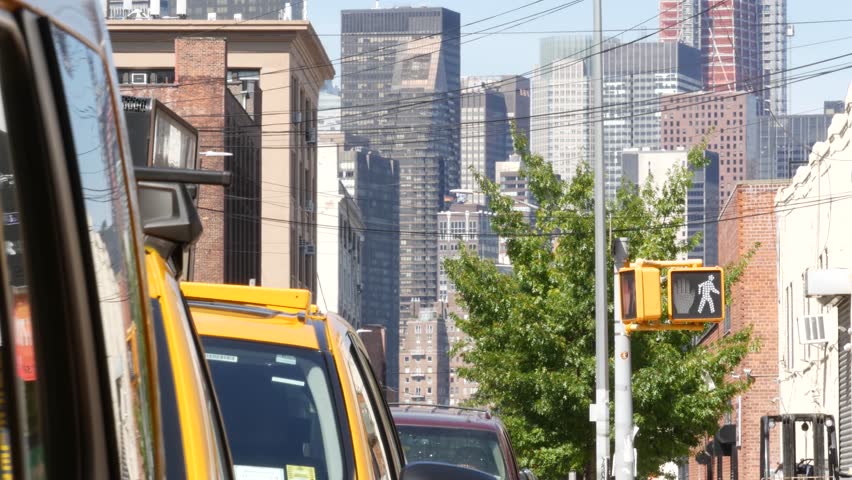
x=400, y=95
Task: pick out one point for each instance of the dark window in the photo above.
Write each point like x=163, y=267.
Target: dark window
x=475, y=449
x=23, y=372
x=278, y=407
x=146, y=77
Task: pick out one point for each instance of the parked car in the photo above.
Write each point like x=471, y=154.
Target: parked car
x=83, y=372
x=461, y=436
x=296, y=390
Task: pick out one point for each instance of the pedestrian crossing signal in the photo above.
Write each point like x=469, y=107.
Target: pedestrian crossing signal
x=696, y=295
x=640, y=294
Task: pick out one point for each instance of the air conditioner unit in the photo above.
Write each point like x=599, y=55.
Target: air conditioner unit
x=238, y=16
x=309, y=206
x=812, y=329
x=211, y=15
x=139, y=78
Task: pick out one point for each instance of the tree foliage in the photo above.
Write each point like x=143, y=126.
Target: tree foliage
x=532, y=332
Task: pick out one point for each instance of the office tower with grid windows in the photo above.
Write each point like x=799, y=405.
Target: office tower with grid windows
x=400, y=94
x=635, y=77
x=786, y=142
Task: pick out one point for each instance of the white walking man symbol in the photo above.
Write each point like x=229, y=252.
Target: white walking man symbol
x=705, y=289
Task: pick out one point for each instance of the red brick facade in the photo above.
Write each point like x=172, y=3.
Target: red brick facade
x=748, y=218
x=726, y=121
x=198, y=95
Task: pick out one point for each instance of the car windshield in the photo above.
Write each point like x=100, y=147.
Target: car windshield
x=477, y=449
x=278, y=410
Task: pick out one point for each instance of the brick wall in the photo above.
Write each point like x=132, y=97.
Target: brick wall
x=198, y=96
x=748, y=218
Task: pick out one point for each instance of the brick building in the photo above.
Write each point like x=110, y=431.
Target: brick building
x=727, y=120
x=283, y=59
x=754, y=305
x=228, y=250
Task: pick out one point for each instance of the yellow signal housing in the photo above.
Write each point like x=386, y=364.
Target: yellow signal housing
x=640, y=294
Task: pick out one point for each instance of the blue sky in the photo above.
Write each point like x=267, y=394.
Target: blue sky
x=508, y=54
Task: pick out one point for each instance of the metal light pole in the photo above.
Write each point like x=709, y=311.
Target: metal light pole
x=623, y=462
x=600, y=410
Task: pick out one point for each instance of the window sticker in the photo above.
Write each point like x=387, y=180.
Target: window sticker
x=216, y=357
x=288, y=381
x=247, y=472
x=300, y=472
x=285, y=359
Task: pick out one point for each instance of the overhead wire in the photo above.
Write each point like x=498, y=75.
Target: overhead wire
x=589, y=116
x=485, y=33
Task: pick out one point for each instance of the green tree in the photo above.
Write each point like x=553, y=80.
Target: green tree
x=532, y=332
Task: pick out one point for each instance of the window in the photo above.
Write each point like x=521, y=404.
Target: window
x=17, y=283
x=277, y=403
x=470, y=448
x=377, y=420
x=94, y=133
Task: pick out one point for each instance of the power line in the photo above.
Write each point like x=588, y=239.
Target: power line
x=575, y=112
x=678, y=224
x=529, y=73
x=705, y=97
x=485, y=33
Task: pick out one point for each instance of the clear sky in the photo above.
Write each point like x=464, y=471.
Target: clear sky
x=518, y=53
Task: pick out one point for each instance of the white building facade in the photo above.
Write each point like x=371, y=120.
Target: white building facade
x=814, y=283
x=340, y=238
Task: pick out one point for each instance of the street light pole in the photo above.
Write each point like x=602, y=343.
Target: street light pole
x=600, y=410
x=623, y=461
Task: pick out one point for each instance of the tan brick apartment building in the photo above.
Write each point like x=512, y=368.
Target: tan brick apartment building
x=728, y=120
x=229, y=249
x=287, y=63
x=749, y=217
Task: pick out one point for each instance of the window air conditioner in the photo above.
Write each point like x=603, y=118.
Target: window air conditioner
x=139, y=78
x=812, y=329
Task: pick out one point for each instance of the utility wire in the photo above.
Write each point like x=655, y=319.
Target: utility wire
x=704, y=97
x=543, y=67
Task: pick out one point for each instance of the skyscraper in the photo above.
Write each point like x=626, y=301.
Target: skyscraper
x=635, y=77
x=560, y=125
x=774, y=33
x=786, y=142
x=680, y=21
x=483, y=135
x=489, y=105
x=254, y=9
x=728, y=122
x=740, y=40
x=400, y=83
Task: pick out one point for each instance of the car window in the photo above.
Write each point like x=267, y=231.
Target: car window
x=23, y=372
x=477, y=449
x=95, y=142
x=376, y=440
x=382, y=413
x=278, y=410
